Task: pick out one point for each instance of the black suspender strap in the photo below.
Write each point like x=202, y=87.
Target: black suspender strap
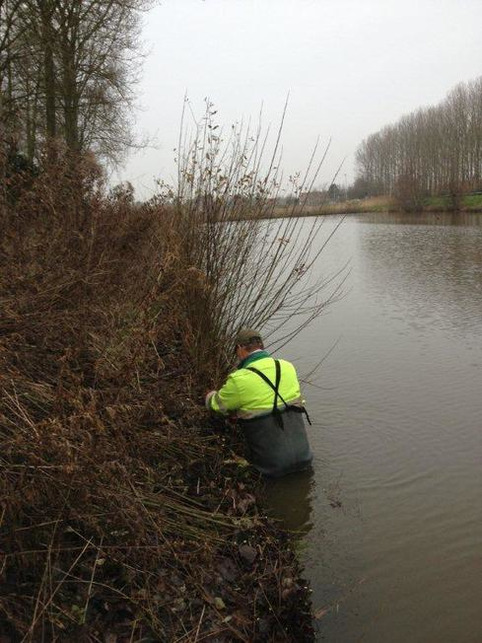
x=277, y=394
x=275, y=388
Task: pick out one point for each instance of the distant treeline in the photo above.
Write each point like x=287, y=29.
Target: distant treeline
x=435, y=150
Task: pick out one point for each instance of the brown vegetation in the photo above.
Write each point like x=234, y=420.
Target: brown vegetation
x=350, y=206
x=121, y=516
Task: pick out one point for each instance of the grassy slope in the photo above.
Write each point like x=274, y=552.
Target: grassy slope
x=468, y=203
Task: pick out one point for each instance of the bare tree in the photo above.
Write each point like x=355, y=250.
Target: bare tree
x=249, y=266
x=68, y=71
x=436, y=150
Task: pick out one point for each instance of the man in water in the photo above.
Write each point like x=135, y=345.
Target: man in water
x=263, y=394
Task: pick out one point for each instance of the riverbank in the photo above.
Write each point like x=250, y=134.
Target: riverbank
x=464, y=203
x=126, y=513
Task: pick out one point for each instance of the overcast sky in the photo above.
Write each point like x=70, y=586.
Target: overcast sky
x=349, y=66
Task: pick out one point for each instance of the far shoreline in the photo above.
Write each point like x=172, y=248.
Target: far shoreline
x=385, y=204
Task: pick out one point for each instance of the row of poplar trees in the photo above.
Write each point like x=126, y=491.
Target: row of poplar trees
x=435, y=150
x=67, y=72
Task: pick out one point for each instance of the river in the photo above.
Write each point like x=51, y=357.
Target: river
x=390, y=521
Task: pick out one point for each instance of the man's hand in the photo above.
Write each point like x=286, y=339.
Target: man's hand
x=208, y=398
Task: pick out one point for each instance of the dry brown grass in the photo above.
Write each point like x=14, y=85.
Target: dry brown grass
x=119, y=519
x=370, y=204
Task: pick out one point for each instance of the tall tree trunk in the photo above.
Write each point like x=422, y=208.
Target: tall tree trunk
x=49, y=68
x=70, y=91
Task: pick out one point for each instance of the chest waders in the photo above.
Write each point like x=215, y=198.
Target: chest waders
x=277, y=441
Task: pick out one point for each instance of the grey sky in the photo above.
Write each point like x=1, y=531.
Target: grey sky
x=350, y=66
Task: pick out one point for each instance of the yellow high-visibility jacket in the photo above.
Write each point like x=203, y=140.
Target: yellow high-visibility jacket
x=247, y=396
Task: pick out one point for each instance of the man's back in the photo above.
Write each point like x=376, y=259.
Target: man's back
x=247, y=393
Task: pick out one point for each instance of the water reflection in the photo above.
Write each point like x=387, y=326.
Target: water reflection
x=400, y=403
x=419, y=271
x=290, y=501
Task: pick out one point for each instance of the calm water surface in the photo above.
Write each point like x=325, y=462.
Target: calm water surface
x=390, y=521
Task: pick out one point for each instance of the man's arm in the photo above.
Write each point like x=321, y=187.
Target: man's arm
x=226, y=400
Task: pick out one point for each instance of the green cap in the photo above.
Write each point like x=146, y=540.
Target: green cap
x=247, y=336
